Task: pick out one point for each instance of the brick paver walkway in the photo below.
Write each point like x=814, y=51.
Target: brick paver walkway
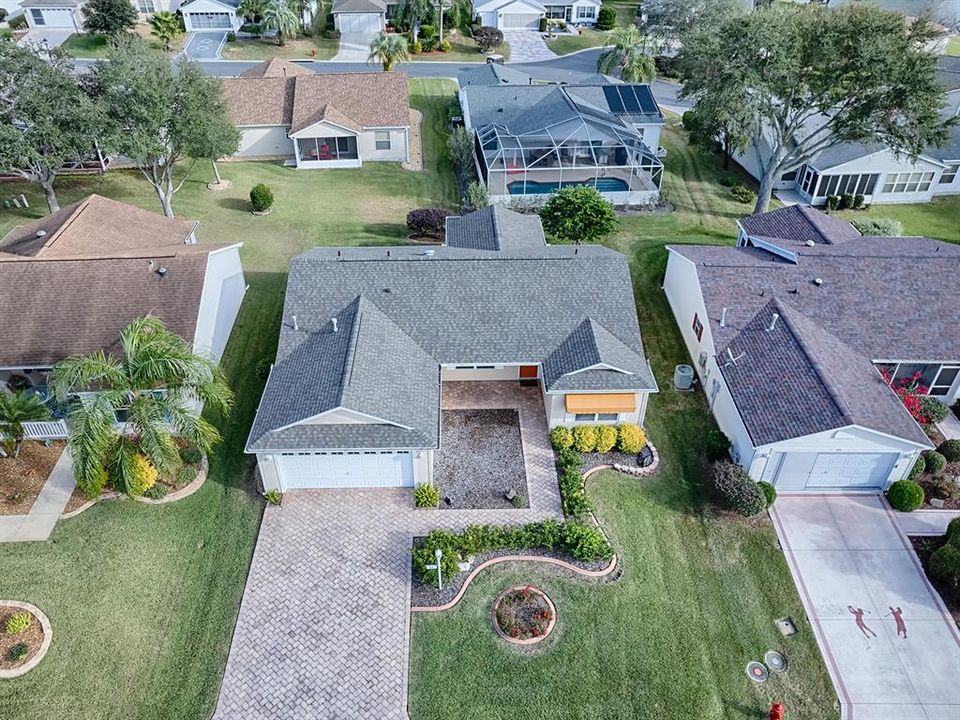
x=527, y=46
x=324, y=624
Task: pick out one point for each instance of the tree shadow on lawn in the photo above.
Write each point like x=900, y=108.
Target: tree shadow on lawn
x=392, y=234
x=233, y=203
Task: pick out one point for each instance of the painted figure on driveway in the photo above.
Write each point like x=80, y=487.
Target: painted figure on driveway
x=858, y=617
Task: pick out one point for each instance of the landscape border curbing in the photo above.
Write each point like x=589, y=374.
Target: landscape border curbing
x=184, y=492
x=614, y=561
x=527, y=641
x=44, y=645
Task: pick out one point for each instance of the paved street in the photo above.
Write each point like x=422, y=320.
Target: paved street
x=890, y=646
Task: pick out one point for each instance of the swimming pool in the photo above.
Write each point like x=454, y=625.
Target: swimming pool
x=544, y=188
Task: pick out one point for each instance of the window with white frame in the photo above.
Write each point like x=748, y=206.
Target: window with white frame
x=586, y=12
x=950, y=174
x=909, y=182
x=596, y=417
x=382, y=139
x=144, y=7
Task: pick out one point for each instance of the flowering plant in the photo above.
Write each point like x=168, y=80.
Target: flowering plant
x=911, y=393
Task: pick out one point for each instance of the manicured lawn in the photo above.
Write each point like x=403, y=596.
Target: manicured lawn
x=315, y=48
x=937, y=219
x=699, y=593
x=587, y=38
x=96, y=46
x=143, y=599
x=953, y=46
x=464, y=50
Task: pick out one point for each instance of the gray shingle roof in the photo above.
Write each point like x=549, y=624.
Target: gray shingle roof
x=492, y=74
x=948, y=72
x=494, y=228
x=424, y=308
x=359, y=6
x=592, y=358
x=799, y=224
x=815, y=381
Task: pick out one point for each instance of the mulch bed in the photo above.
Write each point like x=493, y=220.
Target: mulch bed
x=32, y=636
x=523, y=614
x=924, y=547
x=481, y=459
x=423, y=595
x=594, y=459
x=942, y=488
x=22, y=479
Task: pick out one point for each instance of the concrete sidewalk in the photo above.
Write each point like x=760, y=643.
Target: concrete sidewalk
x=46, y=510
x=889, y=644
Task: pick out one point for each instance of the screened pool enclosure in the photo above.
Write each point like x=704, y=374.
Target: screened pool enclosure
x=579, y=151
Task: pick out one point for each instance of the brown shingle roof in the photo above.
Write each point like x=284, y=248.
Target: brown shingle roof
x=79, y=306
x=355, y=100
x=94, y=226
x=259, y=100
x=276, y=67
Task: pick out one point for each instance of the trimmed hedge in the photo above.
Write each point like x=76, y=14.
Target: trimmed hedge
x=769, y=492
x=735, y=490
x=427, y=222
x=628, y=438
x=606, y=438
x=944, y=563
x=950, y=449
x=717, y=446
x=561, y=438
x=631, y=438
x=935, y=462
x=580, y=541
x=606, y=18
x=905, y=495
x=932, y=409
x=261, y=197
x=918, y=469
x=585, y=438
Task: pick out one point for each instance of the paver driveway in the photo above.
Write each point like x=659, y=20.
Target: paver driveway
x=889, y=644
x=527, y=46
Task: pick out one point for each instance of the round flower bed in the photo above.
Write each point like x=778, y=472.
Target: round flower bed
x=523, y=615
x=25, y=636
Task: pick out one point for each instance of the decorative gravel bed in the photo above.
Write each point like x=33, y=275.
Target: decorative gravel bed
x=481, y=459
x=423, y=595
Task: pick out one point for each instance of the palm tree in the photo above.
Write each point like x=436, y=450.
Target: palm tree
x=388, y=50
x=625, y=56
x=134, y=405
x=279, y=16
x=252, y=10
x=165, y=26
x=15, y=410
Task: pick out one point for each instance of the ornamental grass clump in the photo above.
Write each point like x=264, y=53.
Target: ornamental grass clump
x=426, y=496
x=17, y=623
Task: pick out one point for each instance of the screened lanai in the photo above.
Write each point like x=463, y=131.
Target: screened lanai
x=578, y=151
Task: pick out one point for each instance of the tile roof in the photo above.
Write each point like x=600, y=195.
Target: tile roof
x=357, y=100
x=845, y=304
x=437, y=306
x=799, y=224
x=494, y=228
x=276, y=67
x=95, y=225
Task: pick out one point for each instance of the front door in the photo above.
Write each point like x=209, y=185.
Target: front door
x=529, y=374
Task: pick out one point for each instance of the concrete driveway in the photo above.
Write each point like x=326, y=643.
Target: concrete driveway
x=527, y=46
x=892, y=649
x=204, y=45
x=355, y=47
x=46, y=37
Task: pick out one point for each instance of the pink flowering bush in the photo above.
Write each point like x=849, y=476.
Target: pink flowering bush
x=911, y=394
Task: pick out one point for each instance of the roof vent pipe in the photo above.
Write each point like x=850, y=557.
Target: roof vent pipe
x=723, y=318
x=296, y=325
x=773, y=322
x=818, y=281
x=333, y=321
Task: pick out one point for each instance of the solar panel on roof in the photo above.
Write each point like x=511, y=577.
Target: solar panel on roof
x=614, y=102
x=630, y=101
x=647, y=102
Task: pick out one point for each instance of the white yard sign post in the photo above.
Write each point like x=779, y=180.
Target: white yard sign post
x=438, y=553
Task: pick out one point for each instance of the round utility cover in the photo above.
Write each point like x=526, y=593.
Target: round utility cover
x=775, y=661
x=757, y=672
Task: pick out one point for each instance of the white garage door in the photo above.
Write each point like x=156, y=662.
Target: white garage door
x=52, y=17
x=346, y=470
x=209, y=21
x=817, y=471
x=359, y=23
x=516, y=21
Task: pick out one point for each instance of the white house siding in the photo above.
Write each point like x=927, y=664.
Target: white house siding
x=785, y=463
x=952, y=187
x=358, y=22
x=54, y=18
x=398, y=151
x=198, y=14
x=626, y=197
x=277, y=470
x=223, y=289
x=513, y=16
x=586, y=4
x=886, y=163
x=555, y=407
x=268, y=141
x=496, y=373
x=651, y=135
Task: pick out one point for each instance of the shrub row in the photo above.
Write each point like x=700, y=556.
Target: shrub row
x=627, y=438
x=580, y=541
x=573, y=498
x=945, y=562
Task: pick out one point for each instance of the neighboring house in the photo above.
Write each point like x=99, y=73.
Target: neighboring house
x=788, y=333
x=72, y=280
x=534, y=139
x=874, y=170
x=66, y=14
x=492, y=74
x=369, y=336
x=526, y=14
x=284, y=110
x=359, y=16
x=209, y=15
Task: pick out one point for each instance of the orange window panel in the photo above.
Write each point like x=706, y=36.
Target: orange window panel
x=601, y=403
